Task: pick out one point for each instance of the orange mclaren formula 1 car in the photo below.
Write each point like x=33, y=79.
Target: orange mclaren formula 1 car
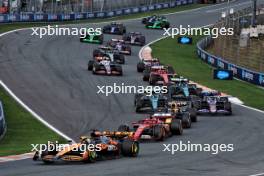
x=97, y=146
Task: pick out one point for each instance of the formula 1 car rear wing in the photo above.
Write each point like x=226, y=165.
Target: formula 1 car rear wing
x=114, y=134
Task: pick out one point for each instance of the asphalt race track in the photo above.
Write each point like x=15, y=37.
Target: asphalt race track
x=50, y=76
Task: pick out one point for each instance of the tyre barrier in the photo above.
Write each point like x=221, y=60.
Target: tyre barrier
x=241, y=73
x=45, y=17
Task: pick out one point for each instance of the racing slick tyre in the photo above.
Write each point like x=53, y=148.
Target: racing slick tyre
x=126, y=37
x=124, y=31
x=176, y=127
x=158, y=133
x=119, y=58
x=90, y=65
x=186, y=121
x=96, y=53
x=137, y=108
x=142, y=40
x=144, y=21
x=228, y=108
x=101, y=39
x=165, y=25
x=146, y=75
x=123, y=128
x=193, y=114
x=171, y=70
x=153, y=79
x=47, y=152
x=140, y=67
x=130, y=148
x=92, y=156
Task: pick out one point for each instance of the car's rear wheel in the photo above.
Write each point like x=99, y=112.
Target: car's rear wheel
x=130, y=148
x=158, y=132
x=140, y=67
x=90, y=65
x=146, y=75
x=186, y=121
x=176, y=127
x=193, y=114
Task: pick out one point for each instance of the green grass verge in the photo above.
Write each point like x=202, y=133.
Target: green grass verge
x=23, y=129
x=8, y=27
x=186, y=62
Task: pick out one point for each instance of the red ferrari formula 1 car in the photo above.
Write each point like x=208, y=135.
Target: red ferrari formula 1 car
x=158, y=75
x=154, y=128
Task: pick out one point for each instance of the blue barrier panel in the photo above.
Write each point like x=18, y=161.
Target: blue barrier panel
x=90, y=15
x=52, y=17
x=13, y=18
x=184, y=2
x=166, y=5
x=238, y=72
x=110, y=14
x=143, y=9
x=100, y=14
x=158, y=6
x=127, y=11
x=79, y=16
x=119, y=12
x=135, y=10
x=26, y=17
x=178, y=3
x=151, y=7
x=38, y=17
x=173, y=4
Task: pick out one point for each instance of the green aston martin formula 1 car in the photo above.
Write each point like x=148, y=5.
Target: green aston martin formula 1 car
x=92, y=38
x=157, y=23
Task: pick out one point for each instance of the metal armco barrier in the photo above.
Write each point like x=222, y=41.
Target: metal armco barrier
x=239, y=72
x=45, y=17
x=2, y=121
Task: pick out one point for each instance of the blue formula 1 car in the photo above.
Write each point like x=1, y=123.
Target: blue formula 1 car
x=150, y=103
x=114, y=28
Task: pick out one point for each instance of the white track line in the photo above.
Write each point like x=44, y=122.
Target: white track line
x=257, y=174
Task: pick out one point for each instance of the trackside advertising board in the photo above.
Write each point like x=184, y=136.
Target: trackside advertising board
x=238, y=72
